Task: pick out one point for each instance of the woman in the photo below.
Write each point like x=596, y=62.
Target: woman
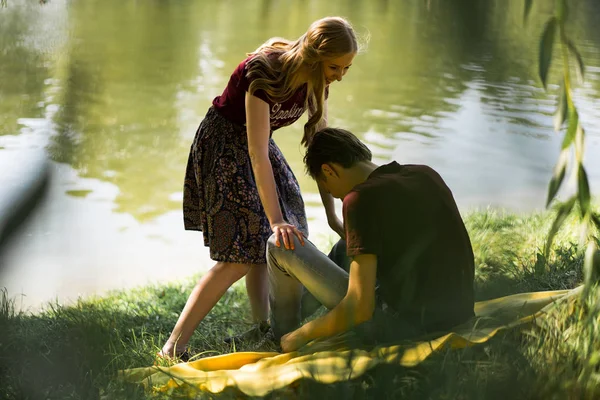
x=239, y=189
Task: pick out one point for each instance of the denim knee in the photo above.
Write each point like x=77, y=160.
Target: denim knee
x=274, y=254
x=271, y=246
x=280, y=257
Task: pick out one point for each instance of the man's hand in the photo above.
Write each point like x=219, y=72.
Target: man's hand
x=354, y=309
x=293, y=341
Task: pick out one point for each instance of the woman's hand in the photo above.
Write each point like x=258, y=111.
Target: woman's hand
x=287, y=232
x=337, y=226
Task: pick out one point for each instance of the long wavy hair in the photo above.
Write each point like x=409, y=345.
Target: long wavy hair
x=279, y=66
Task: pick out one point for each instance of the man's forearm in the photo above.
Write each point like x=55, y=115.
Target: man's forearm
x=328, y=203
x=343, y=317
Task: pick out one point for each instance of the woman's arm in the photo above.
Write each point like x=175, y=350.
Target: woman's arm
x=328, y=201
x=258, y=129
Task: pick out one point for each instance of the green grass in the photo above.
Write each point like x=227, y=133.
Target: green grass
x=76, y=351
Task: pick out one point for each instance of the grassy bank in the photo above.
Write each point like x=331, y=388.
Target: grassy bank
x=75, y=352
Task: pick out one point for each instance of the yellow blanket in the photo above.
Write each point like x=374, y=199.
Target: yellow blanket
x=257, y=374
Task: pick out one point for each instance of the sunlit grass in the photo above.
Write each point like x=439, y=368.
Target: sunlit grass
x=75, y=352
x=509, y=258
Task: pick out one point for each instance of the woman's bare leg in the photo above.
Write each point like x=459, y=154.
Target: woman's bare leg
x=207, y=292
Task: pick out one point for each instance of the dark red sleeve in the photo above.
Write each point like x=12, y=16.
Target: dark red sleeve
x=362, y=233
x=244, y=83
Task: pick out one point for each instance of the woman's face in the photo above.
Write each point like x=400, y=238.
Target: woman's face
x=336, y=68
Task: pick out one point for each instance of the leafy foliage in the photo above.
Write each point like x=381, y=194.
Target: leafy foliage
x=574, y=136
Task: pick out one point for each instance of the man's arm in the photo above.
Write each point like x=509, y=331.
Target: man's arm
x=328, y=201
x=332, y=219
x=355, y=308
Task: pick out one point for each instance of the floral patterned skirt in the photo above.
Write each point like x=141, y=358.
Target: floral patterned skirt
x=220, y=197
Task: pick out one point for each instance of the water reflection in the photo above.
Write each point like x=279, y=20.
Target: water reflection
x=119, y=115
x=22, y=67
x=119, y=88
x=127, y=67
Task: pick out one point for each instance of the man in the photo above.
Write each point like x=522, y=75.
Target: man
x=411, y=262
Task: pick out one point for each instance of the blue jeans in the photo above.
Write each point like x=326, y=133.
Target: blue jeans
x=300, y=281
x=303, y=279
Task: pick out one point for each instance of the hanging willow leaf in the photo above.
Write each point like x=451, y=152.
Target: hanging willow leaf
x=572, y=129
x=561, y=111
x=562, y=213
x=546, y=46
x=584, y=229
x=596, y=220
x=558, y=176
x=591, y=263
x=583, y=190
x=578, y=58
x=579, y=143
x=561, y=10
x=528, y=4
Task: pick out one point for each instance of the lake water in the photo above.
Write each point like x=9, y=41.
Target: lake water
x=112, y=92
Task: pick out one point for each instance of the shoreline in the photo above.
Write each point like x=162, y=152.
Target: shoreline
x=323, y=239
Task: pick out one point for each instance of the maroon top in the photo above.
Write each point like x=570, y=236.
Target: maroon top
x=231, y=104
x=407, y=217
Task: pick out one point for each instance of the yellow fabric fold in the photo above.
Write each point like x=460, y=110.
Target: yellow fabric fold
x=326, y=361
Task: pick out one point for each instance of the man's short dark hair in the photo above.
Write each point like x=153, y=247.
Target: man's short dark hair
x=334, y=145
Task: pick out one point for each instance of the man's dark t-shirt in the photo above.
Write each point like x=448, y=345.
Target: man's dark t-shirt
x=407, y=216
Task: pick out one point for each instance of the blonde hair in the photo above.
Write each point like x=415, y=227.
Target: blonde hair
x=276, y=66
